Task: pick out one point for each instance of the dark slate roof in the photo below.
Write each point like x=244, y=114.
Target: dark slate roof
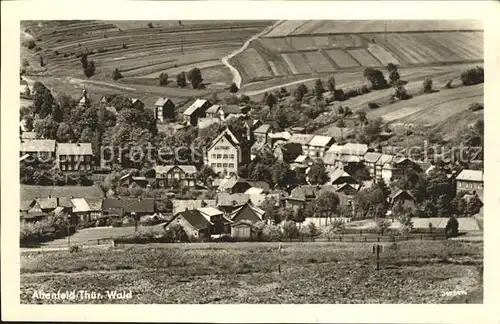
x=129, y=205
x=260, y=184
x=195, y=218
x=32, y=192
x=65, y=202
x=26, y=204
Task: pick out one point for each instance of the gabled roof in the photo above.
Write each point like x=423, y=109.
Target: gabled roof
x=213, y=109
x=291, y=148
x=355, y=149
x=256, y=210
x=260, y=184
x=330, y=158
x=227, y=134
x=95, y=204
x=254, y=191
x=179, y=205
x=302, y=139
x=335, y=148
x=321, y=141
x=372, y=157
x=337, y=174
x=195, y=219
x=134, y=100
x=263, y=129
x=470, y=175
x=229, y=183
x=225, y=199
x=210, y=211
x=402, y=192
x=65, y=202
x=231, y=109
x=301, y=158
x=259, y=146
x=162, y=101
x=74, y=149
x=80, y=204
x=350, y=159
x=159, y=169
x=26, y=204
x=385, y=158
x=38, y=145
x=194, y=107
x=281, y=135
x=28, y=135
x=130, y=205
x=47, y=203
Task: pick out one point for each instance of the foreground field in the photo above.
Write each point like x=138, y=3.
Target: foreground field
x=415, y=272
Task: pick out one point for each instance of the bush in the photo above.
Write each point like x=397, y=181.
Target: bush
x=150, y=25
x=373, y=105
x=451, y=229
x=472, y=76
x=74, y=248
x=117, y=75
x=427, y=86
x=29, y=44
x=339, y=95
x=365, y=89
x=56, y=53
x=476, y=106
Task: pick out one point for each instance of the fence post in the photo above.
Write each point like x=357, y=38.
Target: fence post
x=378, y=238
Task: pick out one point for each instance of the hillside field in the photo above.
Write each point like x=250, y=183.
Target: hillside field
x=139, y=52
x=235, y=273
x=321, y=47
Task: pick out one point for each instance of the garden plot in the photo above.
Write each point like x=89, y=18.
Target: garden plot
x=382, y=55
x=290, y=64
x=364, y=57
x=278, y=68
x=322, y=42
x=341, y=58
x=253, y=65
x=285, y=28
x=298, y=62
x=276, y=44
x=183, y=68
x=302, y=43
x=318, y=62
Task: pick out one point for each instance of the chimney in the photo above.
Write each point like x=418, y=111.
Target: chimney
x=57, y=201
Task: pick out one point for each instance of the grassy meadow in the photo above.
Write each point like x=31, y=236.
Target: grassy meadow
x=321, y=272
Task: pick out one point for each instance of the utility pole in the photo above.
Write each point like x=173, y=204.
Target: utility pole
x=377, y=248
x=385, y=31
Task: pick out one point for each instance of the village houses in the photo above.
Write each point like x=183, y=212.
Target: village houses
x=164, y=110
x=196, y=111
x=74, y=156
x=170, y=175
x=226, y=154
x=471, y=182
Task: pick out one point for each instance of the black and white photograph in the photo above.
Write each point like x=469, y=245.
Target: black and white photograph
x=250, y=161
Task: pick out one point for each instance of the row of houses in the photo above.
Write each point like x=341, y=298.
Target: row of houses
x=67, y=156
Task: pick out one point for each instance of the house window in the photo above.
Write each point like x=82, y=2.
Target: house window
x=224, y=156
x=82, y=167
x=224, y=165
x=219, y=156
x=63, y=167
x=214, y=165
x=214, y=156
x=219, y=165
x=231, y=165
x=231, y=156
x=70, y=167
